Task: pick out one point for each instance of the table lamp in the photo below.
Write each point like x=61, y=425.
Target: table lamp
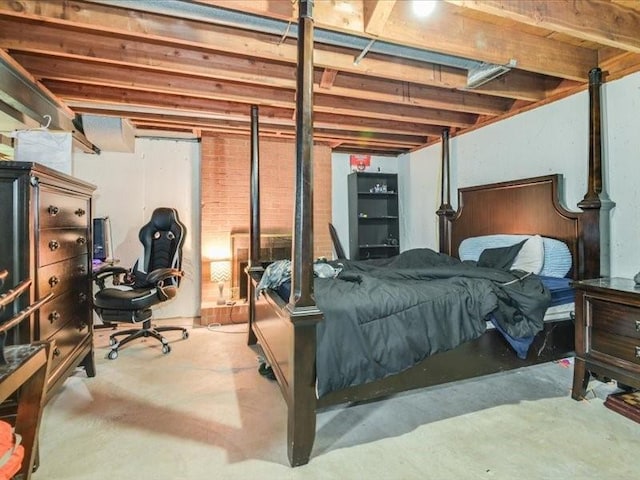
x=220, y=273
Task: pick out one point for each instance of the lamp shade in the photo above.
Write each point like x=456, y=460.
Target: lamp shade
x=220, y=270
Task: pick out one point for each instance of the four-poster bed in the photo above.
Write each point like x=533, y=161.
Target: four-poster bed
x=287, y=330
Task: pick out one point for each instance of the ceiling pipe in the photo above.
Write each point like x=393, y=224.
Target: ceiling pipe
x=247, y=21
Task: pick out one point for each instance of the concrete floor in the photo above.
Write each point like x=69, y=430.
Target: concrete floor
x=203, y=412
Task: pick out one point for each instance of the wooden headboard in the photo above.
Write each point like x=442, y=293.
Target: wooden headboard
x=532, y=205
x=528, y=206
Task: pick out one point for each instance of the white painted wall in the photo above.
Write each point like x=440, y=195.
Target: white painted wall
x=160, y=173
x=549, y=139
x=340, y=169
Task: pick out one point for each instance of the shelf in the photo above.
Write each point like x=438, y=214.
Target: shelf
x=373, y=215
x=387, y=194
x=379, y=245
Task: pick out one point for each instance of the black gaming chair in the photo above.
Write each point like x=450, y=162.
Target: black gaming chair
x=153, y=279
x=337, y=246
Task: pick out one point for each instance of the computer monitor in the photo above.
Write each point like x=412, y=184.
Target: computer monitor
x=101, y=239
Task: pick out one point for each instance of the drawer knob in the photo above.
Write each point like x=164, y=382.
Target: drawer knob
x=82, y=326
x=53, y=316
x=81, y=241
x=53, y=210
x=53, y=245
x=82, y=297
x=82, y=269
x=56, y=352
x=80, y=212
x=637, y=325
x=53, y=281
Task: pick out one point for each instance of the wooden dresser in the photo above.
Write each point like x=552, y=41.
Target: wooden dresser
x=607, y=332
x=45, y=235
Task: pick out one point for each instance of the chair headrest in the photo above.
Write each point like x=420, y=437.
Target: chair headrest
x=163, y=218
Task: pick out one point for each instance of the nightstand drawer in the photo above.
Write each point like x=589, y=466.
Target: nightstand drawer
x=617, y=346
x=615, y=318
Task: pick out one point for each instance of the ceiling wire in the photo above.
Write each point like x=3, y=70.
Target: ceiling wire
x=286, y=31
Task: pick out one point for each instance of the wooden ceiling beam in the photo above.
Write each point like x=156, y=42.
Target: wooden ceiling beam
x=348, y=137
x=327, y=78
x=320, y=132
x=376, y=13
x=391, y=152
x=55, y=40
x=269, y=118
x=80, y=53
x=457, y=35
x=605, y=23
x=125, y=76
x=115, y=24
x=326, y=104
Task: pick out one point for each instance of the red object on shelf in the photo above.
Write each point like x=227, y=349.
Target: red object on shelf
x=359, y=162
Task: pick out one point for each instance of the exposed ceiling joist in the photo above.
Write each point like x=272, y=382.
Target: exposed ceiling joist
x=33, y=103
x=376, y=13
x=605, y=23
x=183, y=67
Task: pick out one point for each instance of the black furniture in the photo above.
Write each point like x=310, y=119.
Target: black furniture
x=607, y=332
x=337, y=245
x=154, y=279
x=24, y=368
x=374, y=230
x=45, y=235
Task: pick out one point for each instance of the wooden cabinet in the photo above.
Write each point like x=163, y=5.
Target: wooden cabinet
x=46, y=236
x=607, y=332
x=374, y=230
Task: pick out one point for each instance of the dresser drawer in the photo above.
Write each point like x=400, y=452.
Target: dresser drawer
x=617, y=346
x=57, y=209
x=70, y=274
x=615, y=318
x=66, y=340
x=72, y=306
x=55, y=245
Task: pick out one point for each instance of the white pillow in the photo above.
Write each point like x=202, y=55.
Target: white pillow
x=530, y=258
x=557, y=256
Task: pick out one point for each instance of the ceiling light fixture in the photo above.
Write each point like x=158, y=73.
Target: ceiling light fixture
x=423, y=8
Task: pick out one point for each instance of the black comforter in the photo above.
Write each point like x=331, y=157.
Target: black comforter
x=384, y=316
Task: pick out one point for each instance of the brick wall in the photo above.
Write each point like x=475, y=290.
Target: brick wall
x=225, y=170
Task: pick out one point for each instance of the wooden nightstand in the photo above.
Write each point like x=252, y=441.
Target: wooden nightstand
x=607, y=332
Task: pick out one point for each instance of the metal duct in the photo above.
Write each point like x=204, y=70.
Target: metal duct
x=486, y=72
x=111, y=134
x=24, y=105
x=212, y=14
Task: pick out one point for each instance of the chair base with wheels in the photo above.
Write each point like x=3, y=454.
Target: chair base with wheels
x=147, y=330
x=108, y=300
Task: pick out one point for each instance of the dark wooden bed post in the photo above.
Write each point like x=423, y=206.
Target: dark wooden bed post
x=591, y=204
x=303, y=312
x=445, y=212
x=254, y=264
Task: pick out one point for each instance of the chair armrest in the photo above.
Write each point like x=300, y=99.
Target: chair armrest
x=160, y=274
x=110, y=271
